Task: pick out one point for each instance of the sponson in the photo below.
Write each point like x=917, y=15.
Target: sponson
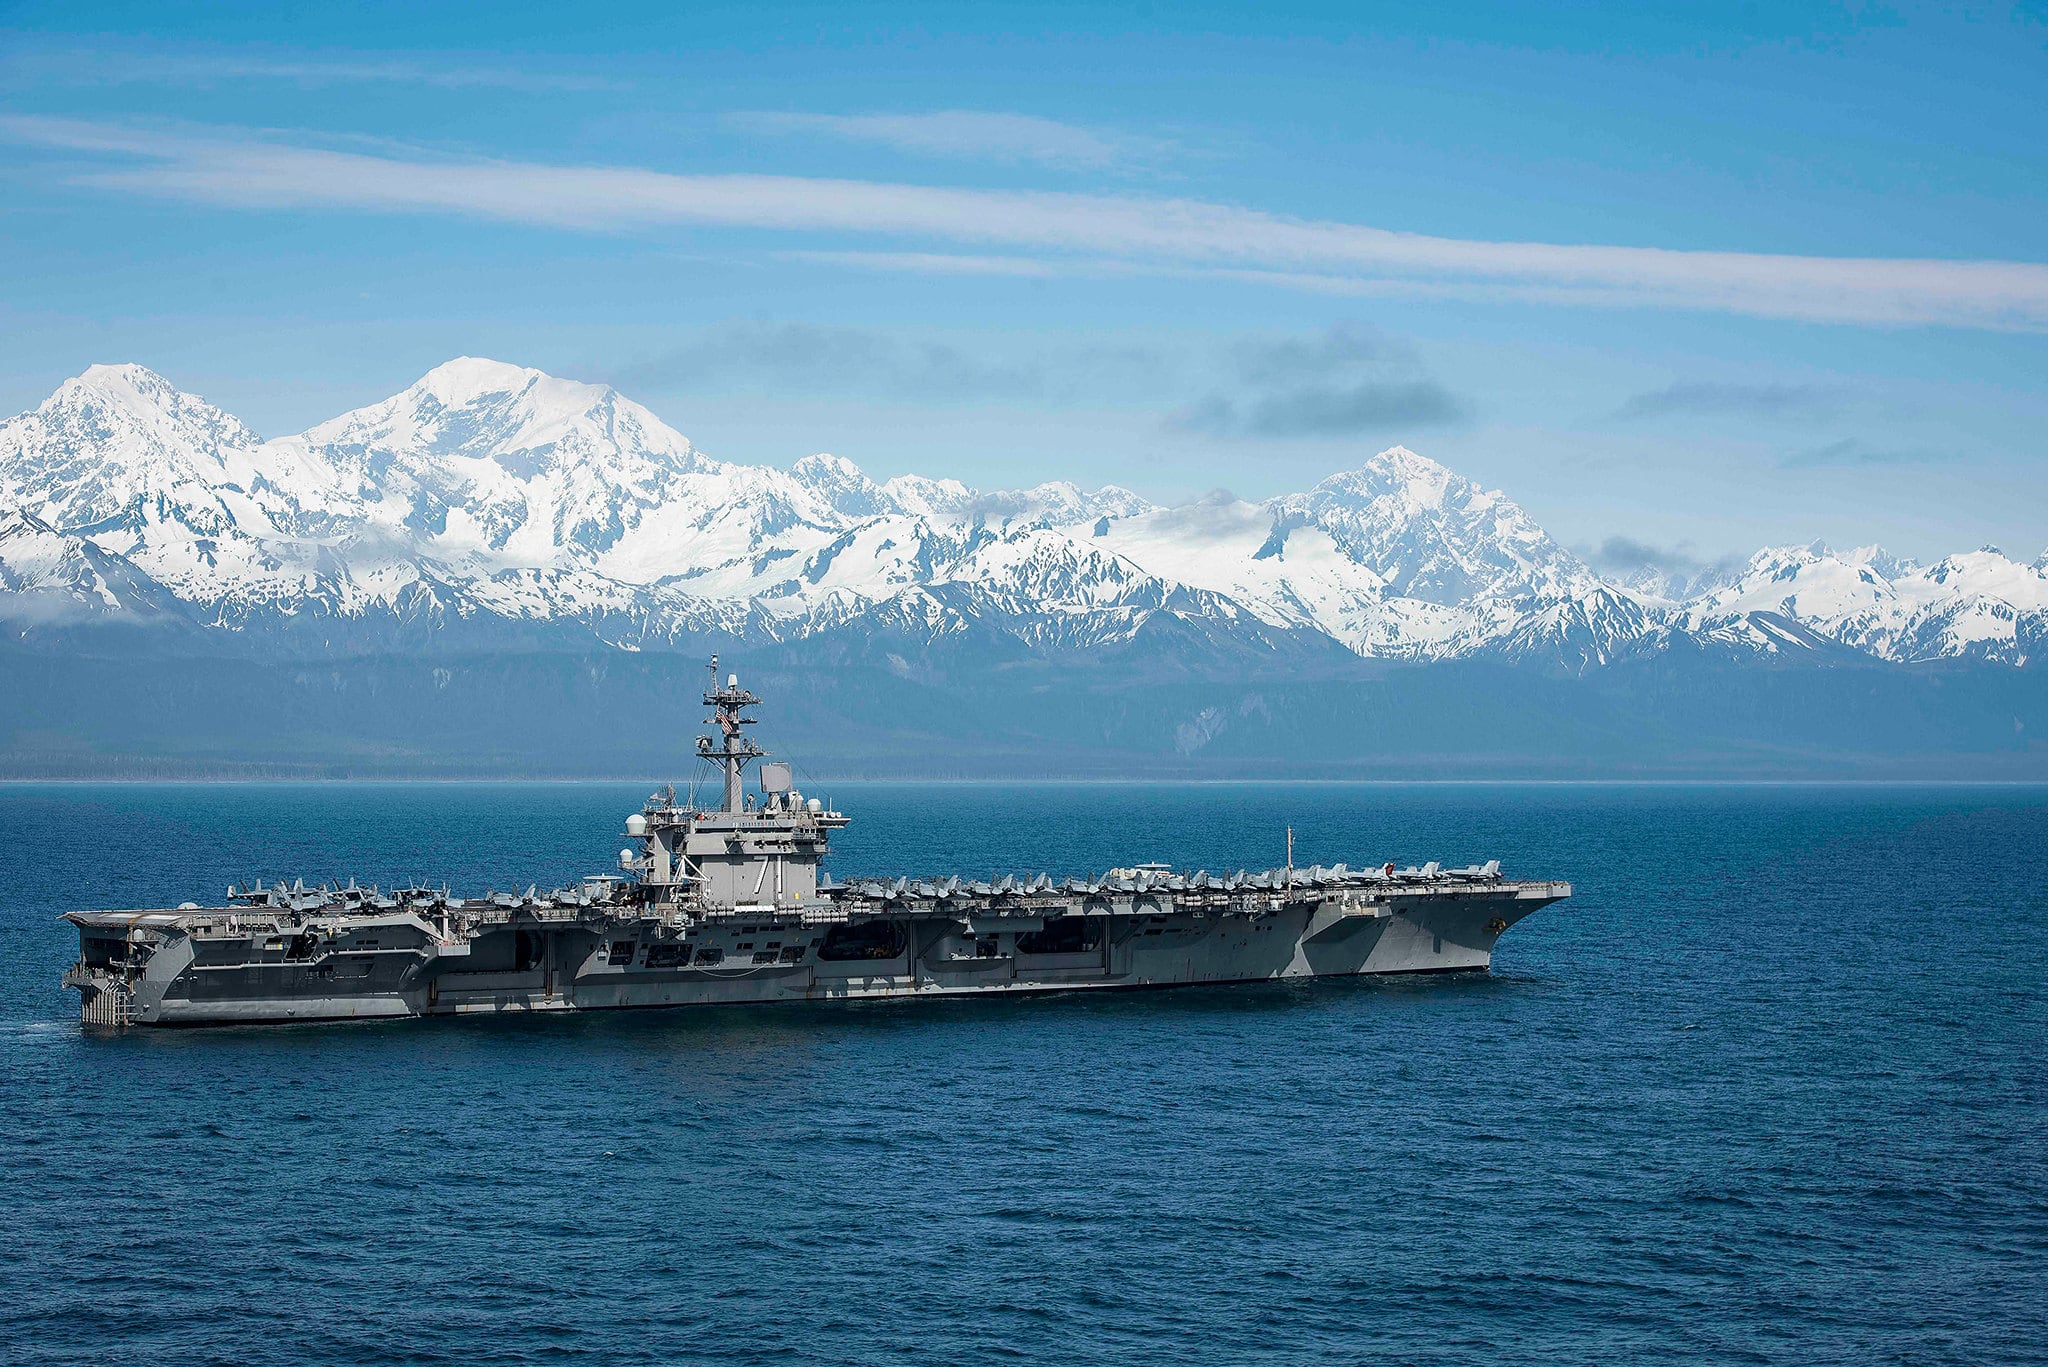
x=730, y=903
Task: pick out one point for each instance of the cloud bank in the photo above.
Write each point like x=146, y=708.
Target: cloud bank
x=1066, y=231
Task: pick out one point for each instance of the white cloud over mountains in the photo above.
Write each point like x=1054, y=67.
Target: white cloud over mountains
x=1057, y=232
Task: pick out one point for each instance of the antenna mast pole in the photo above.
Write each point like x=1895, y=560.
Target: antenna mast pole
x=734, y=751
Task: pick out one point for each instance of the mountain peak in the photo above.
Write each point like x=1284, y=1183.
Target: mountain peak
x=159, y=475
x=1398, y=470
x=825, y=465
x=1771, y=557
x=469, y=378
x=1881, y=560
x=481, y=457
x=126, y=373
x=473, y=405
x=1432, y=534
x=923, y=496
x=132, y=389
x=842, y=484
x=1409, y=461
x=1412, y=467
x=123, y=415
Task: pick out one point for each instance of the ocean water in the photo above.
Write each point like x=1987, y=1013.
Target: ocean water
x=1770, y=1088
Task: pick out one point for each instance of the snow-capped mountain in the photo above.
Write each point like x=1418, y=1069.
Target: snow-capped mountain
x=491, y=504
x=1399, y=558
x=1979, y=605
x=166, y=480
x=497, y=466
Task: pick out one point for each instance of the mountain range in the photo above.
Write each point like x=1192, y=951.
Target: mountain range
x=491, y=512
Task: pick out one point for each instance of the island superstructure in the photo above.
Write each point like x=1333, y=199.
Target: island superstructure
x=730, y=903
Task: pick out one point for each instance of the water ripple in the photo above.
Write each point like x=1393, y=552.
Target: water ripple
x=1768, y=1090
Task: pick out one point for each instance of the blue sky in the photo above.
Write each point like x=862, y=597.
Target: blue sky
x=1699, y=277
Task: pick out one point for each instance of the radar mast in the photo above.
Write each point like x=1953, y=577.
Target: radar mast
x=734, y=751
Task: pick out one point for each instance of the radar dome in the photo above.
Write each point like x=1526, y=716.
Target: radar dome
x=732, y=681
x=636, y=824
x=626, y=859
x=815, y=805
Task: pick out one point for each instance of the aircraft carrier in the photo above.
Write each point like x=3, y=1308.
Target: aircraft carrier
x=731, y=904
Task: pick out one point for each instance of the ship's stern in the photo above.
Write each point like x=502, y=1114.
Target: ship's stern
x=121, y=967
x=105, y=997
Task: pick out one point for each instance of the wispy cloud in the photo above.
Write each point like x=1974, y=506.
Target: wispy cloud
x=1340, y=382
x=965, y=134
x=807, y=358
x=1709, y=398
x=1341, y=410
x=1347, y=380
x=1065, y=230
x=811, y=357
x=943, y=263
x=1677, y=570
x=1851, y=452
x=219, y=66
x=1333, y=351
x=1627, y=553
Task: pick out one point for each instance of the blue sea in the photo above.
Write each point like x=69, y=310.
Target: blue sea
x=1769, y=1088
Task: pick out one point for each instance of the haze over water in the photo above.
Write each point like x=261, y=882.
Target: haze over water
x=1768, y=1088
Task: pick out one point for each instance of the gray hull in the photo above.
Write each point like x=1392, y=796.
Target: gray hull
x=207, y=967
